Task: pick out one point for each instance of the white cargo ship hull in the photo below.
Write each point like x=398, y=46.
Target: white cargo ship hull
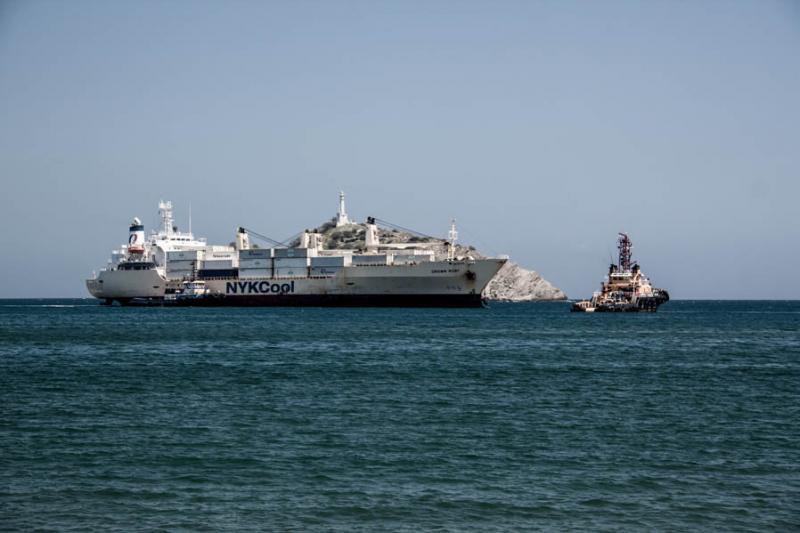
x=435, y=283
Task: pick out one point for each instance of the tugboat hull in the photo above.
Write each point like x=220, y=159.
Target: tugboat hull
x=626, y=289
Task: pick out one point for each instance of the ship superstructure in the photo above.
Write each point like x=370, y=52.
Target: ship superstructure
x=171, y=267
x=626, y=288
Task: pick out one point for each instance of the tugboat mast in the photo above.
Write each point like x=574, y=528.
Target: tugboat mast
x=624, y=246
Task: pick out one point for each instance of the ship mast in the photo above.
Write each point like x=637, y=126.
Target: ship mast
x=624, y=246
x=165, y=210
x=453, y=236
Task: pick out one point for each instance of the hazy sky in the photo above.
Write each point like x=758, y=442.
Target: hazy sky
x=543, y=127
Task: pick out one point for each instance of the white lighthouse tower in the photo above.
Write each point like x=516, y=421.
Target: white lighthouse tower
x=341, y=216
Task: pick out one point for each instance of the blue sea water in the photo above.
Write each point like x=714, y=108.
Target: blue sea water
x=515, y=418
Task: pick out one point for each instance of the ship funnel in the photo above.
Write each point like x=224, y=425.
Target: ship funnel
x=371, y=239
x=242, y=239
x=315, y=240
x=136, y=237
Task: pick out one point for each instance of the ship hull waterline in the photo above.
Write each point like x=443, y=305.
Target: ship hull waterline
x=315, y=300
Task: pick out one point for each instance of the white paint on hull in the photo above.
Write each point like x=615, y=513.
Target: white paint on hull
x=435, y=277
x=127, y=284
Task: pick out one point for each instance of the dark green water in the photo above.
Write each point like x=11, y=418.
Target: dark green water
x=519, y=417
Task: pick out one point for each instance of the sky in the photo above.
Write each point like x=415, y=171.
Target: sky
x=544, y=128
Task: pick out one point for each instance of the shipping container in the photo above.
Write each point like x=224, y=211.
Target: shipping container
x=220, y=256
x=294, y=252
x=332, y=261
x=260, y=253
x=220, y=273
x=177, y=264
x=370, y=259
x=291, y=272
x=258, y=262
x=283, y=262
x=217, y=264
x=255, y=272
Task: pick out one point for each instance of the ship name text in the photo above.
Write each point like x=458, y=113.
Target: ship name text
x=258, y=287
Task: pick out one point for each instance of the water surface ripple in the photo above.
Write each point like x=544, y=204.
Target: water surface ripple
x=519, y=417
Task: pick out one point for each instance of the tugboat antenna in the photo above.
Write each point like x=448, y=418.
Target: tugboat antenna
x=624, y=246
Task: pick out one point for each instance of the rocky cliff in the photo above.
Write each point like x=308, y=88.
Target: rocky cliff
x=516, y=284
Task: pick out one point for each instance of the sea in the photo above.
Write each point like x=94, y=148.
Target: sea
x=519, y=417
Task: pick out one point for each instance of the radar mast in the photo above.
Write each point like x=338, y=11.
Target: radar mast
x=452, y=235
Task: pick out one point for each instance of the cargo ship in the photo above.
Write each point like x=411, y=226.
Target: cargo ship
x=625, y=289
x=173, y=268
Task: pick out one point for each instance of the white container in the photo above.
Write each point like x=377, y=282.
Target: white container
x=257, y=262
x=280, y=262
x=291, y=272
x=370, y=259
x=294, y=252
x=255, y=272
x=217, y=264
x=330, y=261
x=257, y=253
x=221, y=256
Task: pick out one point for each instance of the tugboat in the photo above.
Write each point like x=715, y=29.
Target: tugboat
x=192, y=290
x=626, y=288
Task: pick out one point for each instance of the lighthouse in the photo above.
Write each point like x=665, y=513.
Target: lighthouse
x=341, y=216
